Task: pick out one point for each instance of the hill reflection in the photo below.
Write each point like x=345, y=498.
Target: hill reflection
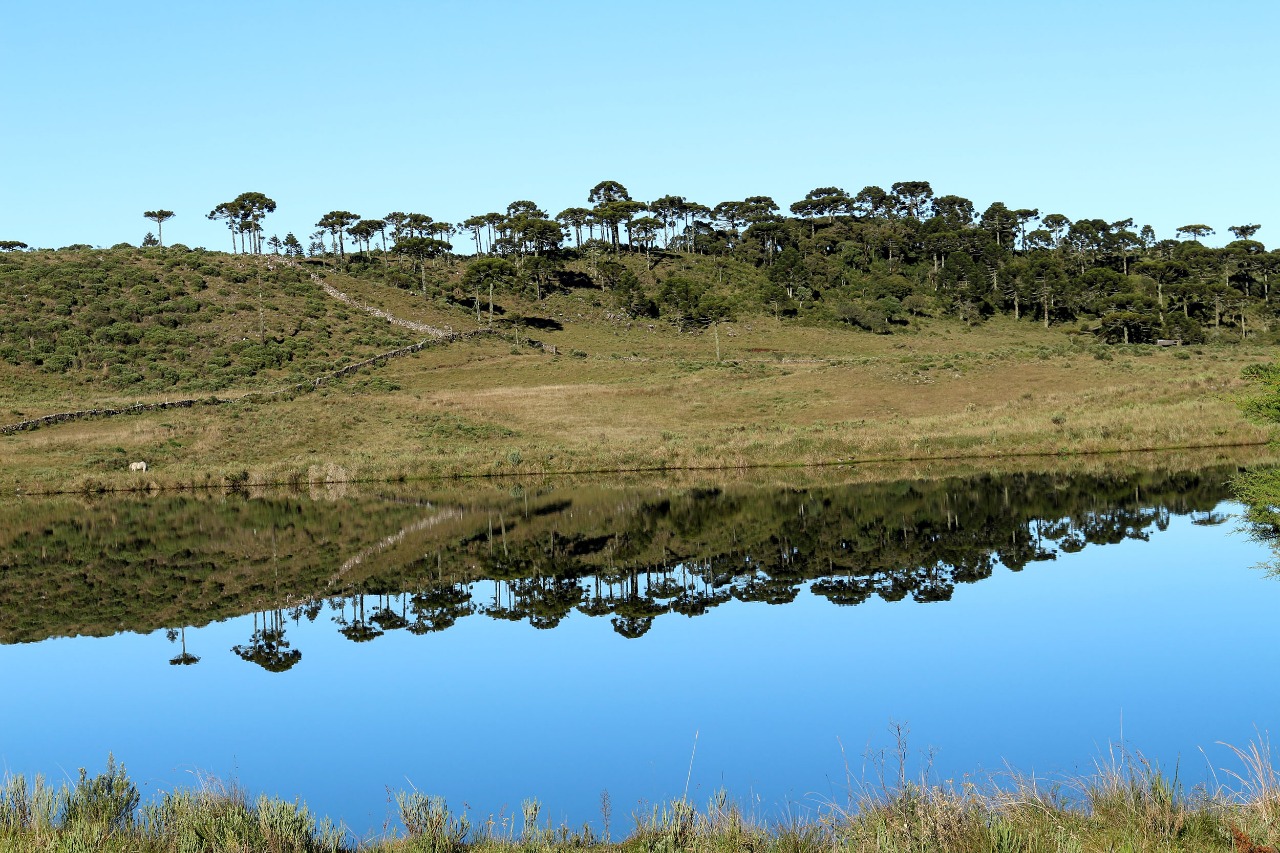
x=420, y=564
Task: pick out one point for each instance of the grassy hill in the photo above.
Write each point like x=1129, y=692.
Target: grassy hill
x=566, y=380
x=141, y=322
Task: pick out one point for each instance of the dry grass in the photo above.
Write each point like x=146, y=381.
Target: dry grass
x=626, y=396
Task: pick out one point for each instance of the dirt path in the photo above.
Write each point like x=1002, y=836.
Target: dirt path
x=421, y=328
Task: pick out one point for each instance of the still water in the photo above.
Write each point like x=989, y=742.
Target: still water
x=558, y=641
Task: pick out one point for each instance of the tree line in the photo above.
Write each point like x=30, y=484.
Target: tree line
x=873, y=259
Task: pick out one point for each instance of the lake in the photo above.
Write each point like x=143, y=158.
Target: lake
x=558, y=640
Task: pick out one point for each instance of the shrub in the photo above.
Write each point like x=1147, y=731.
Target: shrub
x=429, y=824
x=107, y=800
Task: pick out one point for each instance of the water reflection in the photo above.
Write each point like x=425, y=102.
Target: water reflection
x=420, y=564
x=957, y=605
x=267, y=646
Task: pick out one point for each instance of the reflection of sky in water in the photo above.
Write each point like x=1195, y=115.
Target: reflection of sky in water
x=1168, y=642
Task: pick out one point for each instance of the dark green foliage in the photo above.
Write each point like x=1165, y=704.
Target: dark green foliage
x=860, y=315
x=629, y=295
x=838, y=259
x=498, y=273
x=1182, y=328
x=688, y=303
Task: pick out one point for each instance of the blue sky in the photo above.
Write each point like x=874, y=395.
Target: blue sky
x=1163, y=111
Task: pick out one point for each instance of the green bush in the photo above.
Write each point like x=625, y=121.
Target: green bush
x=107, y=800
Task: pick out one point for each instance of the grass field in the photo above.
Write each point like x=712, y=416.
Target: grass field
x=619, y=394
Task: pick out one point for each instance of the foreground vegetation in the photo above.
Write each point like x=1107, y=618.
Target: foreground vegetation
x=563, y=382
x=1127, y=804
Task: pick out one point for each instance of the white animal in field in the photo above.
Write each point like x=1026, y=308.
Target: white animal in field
x=138, y=466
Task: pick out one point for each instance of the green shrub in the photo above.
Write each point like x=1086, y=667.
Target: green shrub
x=429, y=824
x=107, y=800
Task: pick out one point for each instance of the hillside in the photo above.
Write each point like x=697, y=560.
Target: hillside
x=565, y=378
x=133, y=322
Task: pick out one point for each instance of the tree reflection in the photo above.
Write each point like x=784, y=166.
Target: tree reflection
x=184, y=658
x=845, y=592
x=439, y=608
x=267, y=646
x=632, y=558
x=386, y=618
x=636, y=608
x=688, y=554
x=357, y=629
x=546, y=600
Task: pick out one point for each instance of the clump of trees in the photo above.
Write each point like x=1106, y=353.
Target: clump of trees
x=878, y=258
x=244, y=215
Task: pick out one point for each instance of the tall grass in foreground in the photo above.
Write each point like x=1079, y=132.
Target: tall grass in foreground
x=1126, y=804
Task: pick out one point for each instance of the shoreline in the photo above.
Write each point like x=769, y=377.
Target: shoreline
x=960, y=462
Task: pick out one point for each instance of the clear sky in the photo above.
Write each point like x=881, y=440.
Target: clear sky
x=1163, y=111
